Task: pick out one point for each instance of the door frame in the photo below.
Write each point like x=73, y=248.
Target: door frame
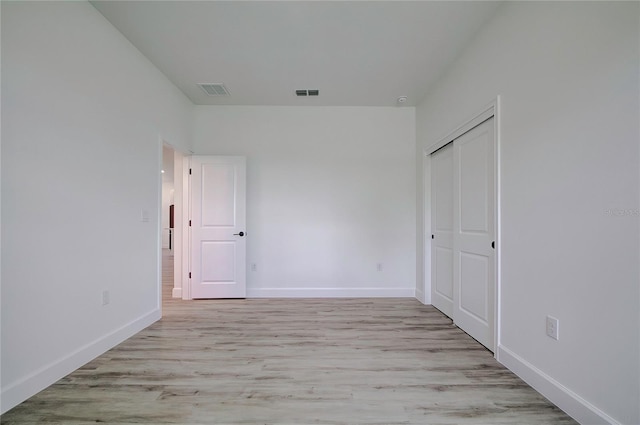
x=181, y=228
x=181, y=287
x=185, y=236
x=492, y=109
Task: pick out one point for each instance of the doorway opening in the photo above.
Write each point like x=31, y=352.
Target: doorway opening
x=173, y=237
x=167, y=222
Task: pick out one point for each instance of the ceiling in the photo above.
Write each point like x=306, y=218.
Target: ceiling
x=356, y=53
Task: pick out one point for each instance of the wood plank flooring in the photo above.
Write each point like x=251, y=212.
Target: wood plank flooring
x=292, y=361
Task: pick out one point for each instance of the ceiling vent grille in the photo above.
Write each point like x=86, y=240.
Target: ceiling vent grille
x=307, y=92
x=214, y=89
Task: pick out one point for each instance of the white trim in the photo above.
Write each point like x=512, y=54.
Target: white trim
x=158, y=172
x=420, y=296
x=497, y=314
x=487, y=112
x=177, y=223
x=574, y=405
x=492, y=109
x=426, y=226
x=17, y=392
x=186, y=230
x=408, y=292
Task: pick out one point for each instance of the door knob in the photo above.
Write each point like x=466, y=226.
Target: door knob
x=241, y=234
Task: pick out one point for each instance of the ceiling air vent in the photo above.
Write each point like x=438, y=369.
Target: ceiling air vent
x=214, y=89
x=307, y=92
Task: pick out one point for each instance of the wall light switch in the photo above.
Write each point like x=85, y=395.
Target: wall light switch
x=144, y=216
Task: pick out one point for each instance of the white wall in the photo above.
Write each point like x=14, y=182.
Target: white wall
x=167, y=200
x=330, y=194
x=83, y=114
x=568, y=75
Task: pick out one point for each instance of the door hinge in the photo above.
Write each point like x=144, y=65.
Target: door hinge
x=189, y=171
x=189, y=275
x=189, y=223
x=433, y=237
x=493, y=244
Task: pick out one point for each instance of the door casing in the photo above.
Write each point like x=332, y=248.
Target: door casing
x=492, y=109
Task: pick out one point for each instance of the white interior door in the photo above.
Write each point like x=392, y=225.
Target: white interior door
x=218, y=239
x=473, y=233
x=442, y=229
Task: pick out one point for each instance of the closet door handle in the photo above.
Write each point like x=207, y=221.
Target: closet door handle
x=241, y=234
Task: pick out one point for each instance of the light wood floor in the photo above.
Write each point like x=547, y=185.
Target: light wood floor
x=292, y=361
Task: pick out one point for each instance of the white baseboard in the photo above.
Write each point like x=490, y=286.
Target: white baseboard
x=176, y=293
x=574, y=405
x=35, y=382
x=331, y=292
x=420, y=295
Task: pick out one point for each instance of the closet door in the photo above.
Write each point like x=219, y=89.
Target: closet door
x=473, y=233
x=442, y=228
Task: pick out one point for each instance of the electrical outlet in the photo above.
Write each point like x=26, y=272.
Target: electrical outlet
x=254, y=267
x=553, y=327
x=105, y=297
x=379, y=267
